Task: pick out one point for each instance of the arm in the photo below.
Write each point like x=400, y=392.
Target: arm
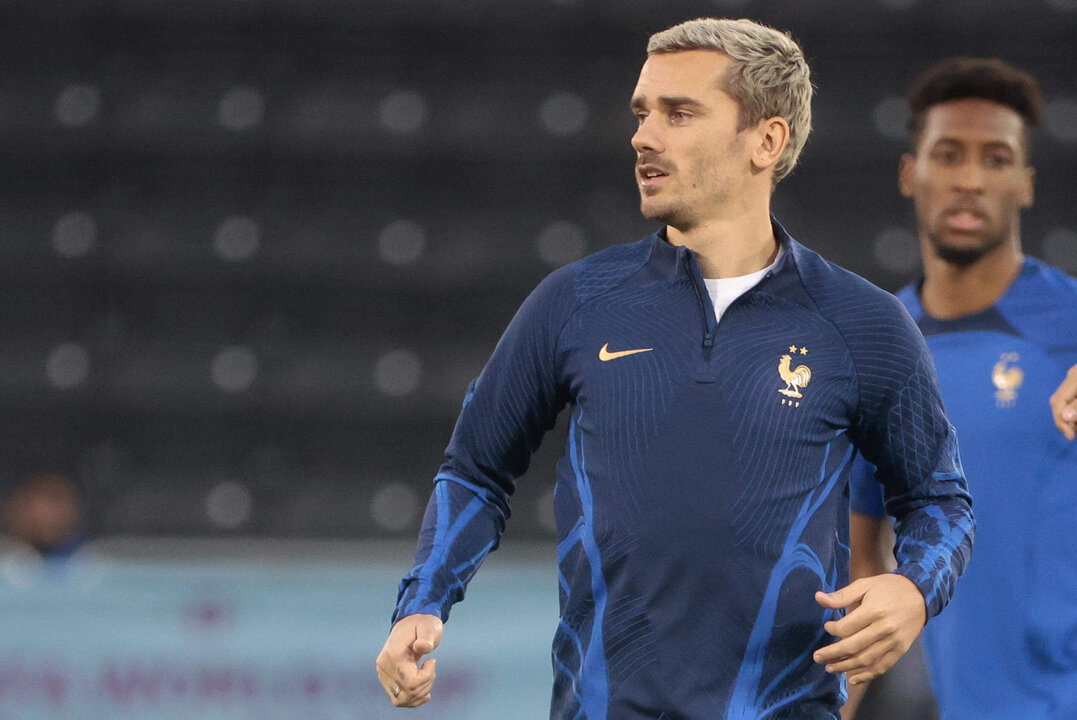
x=506, y=411
x=1064, y=405
x=904, y=432
x=870, y=540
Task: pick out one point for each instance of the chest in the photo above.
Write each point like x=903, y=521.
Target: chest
x=996, y=388
x=770, y=365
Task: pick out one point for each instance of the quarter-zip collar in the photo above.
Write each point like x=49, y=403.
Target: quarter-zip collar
x=672, y=262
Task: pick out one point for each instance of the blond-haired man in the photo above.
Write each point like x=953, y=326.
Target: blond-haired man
x=720, y=378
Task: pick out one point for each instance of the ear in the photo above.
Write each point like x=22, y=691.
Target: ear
x=1028, y=191
x=773, y=136
x=906, y=174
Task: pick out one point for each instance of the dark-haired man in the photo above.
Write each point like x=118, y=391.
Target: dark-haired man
x=1003, y=331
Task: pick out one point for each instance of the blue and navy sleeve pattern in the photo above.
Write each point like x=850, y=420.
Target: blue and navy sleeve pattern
x=904, y=432
x=507, y=410
x=902, y=429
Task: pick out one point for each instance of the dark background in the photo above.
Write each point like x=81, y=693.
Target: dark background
x=251, y=252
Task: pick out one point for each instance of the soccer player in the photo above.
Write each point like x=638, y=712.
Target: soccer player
x=1003, y=330
x=720, y=378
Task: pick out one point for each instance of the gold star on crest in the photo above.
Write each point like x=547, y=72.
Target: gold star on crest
x=792, y=348
x=803, y=350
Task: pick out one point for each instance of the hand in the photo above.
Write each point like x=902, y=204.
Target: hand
x=1064, y=405
x=405, y=682
x=887, y=614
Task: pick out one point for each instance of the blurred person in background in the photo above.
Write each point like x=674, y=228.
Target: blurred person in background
x=43, y=513
x=1002, y=328
x=721, y=377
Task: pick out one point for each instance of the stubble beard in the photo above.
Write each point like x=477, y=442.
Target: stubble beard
x=679, y=213
x=963, y=256
x=675, y=213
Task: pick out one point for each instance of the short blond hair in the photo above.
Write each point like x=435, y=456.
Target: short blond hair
x=768, y=77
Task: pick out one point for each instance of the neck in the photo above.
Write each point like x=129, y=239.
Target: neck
x=730, y=247
x=951, y=291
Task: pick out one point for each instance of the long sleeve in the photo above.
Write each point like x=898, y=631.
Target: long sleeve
x=906, y=435
x=507, y=410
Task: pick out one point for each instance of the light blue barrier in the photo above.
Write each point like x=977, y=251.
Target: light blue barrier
x=248, y=640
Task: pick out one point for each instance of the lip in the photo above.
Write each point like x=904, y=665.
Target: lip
x=643, y=171
x=965, y=219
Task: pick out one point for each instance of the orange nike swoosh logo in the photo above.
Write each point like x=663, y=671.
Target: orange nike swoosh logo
x=605, y=355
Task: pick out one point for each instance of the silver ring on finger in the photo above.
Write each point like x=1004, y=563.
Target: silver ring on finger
x=395, y=690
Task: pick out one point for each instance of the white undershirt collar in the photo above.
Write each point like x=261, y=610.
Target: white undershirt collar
x=724, y=291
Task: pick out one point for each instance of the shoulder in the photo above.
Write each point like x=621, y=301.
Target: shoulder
x=1042, y=300
x=1048, y=283
x=885, y=347
x=566, y=289
x=855, y=306
x=606, y=270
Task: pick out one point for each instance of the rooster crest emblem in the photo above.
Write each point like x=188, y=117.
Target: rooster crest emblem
x=1007, y=379
x=794, y=378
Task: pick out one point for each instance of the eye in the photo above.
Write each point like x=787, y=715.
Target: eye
x=640, y=117
x=999, y=161
x=679, y=116
x=946, y=156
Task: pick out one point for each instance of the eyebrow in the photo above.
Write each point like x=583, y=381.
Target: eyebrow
x=668, y=101
x=992, y=144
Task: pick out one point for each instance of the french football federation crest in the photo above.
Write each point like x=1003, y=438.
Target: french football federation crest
x=1007, y=378
x=794, y=378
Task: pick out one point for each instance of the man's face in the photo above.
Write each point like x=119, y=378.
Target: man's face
x=691, y=161
x=969, y=178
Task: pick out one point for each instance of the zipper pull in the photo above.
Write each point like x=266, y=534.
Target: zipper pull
x=705, y=374
x=708, y=347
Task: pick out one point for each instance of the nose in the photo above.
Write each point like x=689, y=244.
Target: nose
x=648, y=137
x=969, y=177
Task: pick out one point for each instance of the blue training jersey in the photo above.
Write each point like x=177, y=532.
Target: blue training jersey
x=701, y=500
x=1007, y=645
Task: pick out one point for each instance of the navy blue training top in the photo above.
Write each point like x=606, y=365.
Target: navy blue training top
x=702, y=497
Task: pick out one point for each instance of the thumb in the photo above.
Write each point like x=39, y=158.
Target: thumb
x=841, y=598
x=423, y=645
x=427, y=637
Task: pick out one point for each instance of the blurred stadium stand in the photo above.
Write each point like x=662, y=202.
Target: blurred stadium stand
x=252, y=251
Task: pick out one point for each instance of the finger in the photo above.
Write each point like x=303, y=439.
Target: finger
x=856, y=663
x=410, y=696
x=844, y=597
x=1064, y=404
x=1069, y=420
x=417, y=696
x=1064, y=412
x=846, y=648
x=851, y=624
x=420, y=701
x=404, y=672
x=391, y=687
x=874, y=671
x=427, y=673
x=424, y=688
x=416, y=681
